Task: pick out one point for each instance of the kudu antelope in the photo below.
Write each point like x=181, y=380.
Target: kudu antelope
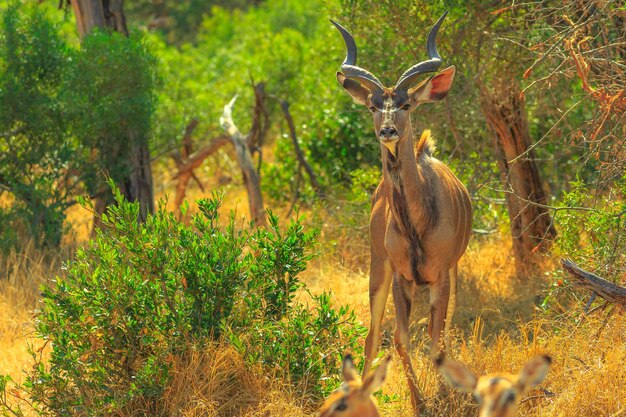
x=421, y=213
x=497, y=394
x=354, y=397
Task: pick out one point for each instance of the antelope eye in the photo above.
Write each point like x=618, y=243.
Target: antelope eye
x=341, y=407
x=373, y=109
x=406, y=107
x=509, y=397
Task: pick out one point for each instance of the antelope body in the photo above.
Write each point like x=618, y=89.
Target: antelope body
x=421, y=214
x=354, y=397
x=497, y=394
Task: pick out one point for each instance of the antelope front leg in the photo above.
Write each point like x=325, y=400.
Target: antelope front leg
x=439, y=296
x=402, y=299
x=380, y=281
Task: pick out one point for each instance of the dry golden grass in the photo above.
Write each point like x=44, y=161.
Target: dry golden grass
x=497, y=328
x=21, y=274
x=215, y=381
x=20, y=277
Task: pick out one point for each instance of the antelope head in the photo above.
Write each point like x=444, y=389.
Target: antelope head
x=497, y=394
x=390, y=107
x=354, y=397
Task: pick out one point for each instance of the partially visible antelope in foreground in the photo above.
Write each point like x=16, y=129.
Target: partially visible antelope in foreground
x=421, y=213
x=354, y=397
x=497, y=394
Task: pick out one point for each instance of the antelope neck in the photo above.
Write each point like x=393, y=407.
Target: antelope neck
x=402, y=168
x=406, y=183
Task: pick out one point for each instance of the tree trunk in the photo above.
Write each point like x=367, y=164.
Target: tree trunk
x=137, y=185
x=531, y=224
x=105, y=14
x=250, y=177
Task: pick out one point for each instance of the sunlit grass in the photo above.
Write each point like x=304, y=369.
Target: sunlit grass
x=20, y=276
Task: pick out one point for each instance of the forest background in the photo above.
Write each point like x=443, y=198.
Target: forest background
x=120, y=298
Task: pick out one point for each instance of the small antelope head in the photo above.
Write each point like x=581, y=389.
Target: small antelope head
x=497, y=394
x=390, y=107
x=354, y=397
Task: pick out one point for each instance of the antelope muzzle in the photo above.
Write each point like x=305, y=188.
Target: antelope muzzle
x=388, y=133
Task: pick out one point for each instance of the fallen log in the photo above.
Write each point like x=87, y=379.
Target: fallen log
x=605, y=289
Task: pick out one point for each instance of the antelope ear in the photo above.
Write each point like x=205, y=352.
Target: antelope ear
x=375, y=380
x=433, y=89
x=348, y=370
x=359, y=93
x=456, y=374
x=534, y=372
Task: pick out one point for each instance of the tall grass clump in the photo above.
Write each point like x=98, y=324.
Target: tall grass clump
x=138, y=296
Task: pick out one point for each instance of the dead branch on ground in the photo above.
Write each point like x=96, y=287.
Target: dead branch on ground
x=605, y=289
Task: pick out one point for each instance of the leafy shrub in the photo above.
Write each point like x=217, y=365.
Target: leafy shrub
x=354, y=202
x=66, y=116
x=111, y=86
x=340, y=139
x=592, y=233
x=305, y=347
x=138, y=294
x=34, y=155
x=284, y=180
x=9, y=221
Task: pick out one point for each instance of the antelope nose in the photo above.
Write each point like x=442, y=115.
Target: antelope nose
x=388, y=132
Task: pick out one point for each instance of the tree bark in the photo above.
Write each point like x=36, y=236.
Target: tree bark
x=250, y=177
x=531, y=224
x=137, y=185
x=104, y=14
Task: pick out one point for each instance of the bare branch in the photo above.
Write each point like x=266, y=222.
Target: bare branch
x=196, y=159
x=605, y=289
x=244, y=158
x=284, y=105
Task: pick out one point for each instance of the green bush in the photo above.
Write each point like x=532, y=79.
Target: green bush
x=111, y=85
x=592, y=233
x=352, y=216
x=341, y=138
x=66, y=116
x=304, y=347
x=34, y=155
x=138, y=294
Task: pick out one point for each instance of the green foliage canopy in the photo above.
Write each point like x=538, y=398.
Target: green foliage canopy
x=35, y=153
x=67, y=115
